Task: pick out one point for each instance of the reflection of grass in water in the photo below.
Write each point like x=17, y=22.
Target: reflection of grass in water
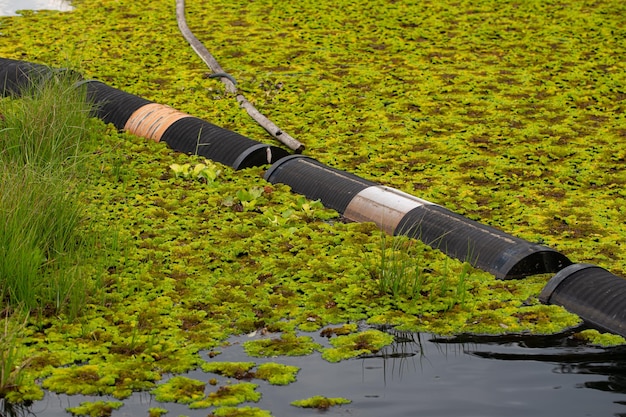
x=287, y=344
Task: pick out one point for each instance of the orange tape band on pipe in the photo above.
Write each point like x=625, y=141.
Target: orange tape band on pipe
x=152, y=120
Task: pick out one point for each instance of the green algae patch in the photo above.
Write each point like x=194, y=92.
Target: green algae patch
x=277, y=373
x=157, y=412
x=180, y=389
x=354, y=345
x=229, y=395
x=597, y=338
x=237, y=370
x=85, y=380
x=119, y=379
x=240, y=412
x=320, y=402
x=95, y=409
x=288, y=344
x=339, y=331
x=274, y=373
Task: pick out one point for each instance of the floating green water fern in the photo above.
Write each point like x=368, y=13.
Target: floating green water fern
x=320, y=402
x=229, y=395
x=95, y=409
x=180, y=389
x=510, y=113
x=240, y=412
x=357, y=344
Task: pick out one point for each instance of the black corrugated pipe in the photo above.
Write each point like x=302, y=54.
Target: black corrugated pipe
x=194, y=135
x=112, y=105
x=17, y=75
x=142, y=117
x=399, y=213
x=483, y=246
x=592, y=293
x=307, y=176
x=182, y=132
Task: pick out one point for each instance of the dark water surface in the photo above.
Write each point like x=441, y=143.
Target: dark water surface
x=421, y=375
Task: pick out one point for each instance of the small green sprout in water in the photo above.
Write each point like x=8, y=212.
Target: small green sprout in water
x=240, y=412
x=180, y=389
x=229, y=395
x=351, y=346
x=207, y=171
x=288, y=345
x=249, y=198
x=95, y=409
x=320, y=402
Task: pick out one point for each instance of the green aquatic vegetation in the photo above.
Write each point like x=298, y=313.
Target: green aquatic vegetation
x=511, y=114
x=206, y=171
x=357, y=344
x=400, y=269
x=95, y=409
x=288, y=344
x=180, y=389
x=246, y=411
x=339, y=331
x=600, y=339
x=118, y=379
x=320, y=402
x=157, y=412
x=229, y=395
x=277, y=373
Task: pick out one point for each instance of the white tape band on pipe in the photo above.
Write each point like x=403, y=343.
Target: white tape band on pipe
x=382, y=205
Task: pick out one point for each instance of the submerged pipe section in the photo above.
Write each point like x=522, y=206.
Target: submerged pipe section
x=158, y=122
x=399, y=213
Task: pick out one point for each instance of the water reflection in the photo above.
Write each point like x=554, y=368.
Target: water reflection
x=10, y=7
x=570, y=355
x=15, y=410
x=421, y=374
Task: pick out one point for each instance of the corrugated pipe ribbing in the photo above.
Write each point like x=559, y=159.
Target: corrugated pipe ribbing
x=182, y=132
x=591, y=292
x=399, y=213
x=333, y=187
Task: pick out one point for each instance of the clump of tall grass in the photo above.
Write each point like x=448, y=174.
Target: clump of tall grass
x=43, y=138
x=400, y=269
x=401, y=272
x=48, y=126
